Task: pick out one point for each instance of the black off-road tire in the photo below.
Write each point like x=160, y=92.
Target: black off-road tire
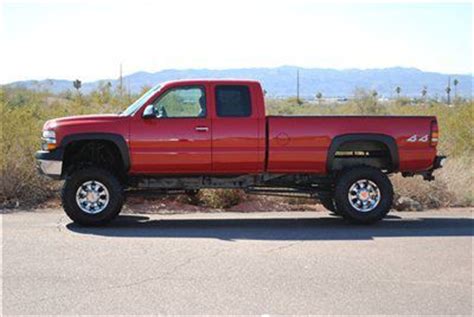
x=72, y=184
x=347, y=179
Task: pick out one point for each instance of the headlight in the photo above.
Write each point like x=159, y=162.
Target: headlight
x=48, y=140
x=49, y=134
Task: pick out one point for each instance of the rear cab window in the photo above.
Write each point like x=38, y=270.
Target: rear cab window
x=233, y=101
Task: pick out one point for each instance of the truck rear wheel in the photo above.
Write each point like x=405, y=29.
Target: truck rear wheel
x=363, y=195
x=92, y=196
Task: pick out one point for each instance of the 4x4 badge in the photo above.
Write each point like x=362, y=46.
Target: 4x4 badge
x=414, y=138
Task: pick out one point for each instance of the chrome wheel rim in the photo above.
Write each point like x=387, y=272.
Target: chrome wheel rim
x=364, y=195
x=92, y=197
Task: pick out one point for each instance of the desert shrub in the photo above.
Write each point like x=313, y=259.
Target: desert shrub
x=453, y=186
x=23, y=112
x=459, y=178
x=220, y=198
x=366, y=102
x=428, y=194
x=22, y=119
x=19, y=139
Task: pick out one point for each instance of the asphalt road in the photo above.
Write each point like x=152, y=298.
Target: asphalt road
x=260, y=263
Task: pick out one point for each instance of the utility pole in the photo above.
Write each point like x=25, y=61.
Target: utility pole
x=298, y=86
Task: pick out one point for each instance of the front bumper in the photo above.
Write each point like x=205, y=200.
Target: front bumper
x=49, y=163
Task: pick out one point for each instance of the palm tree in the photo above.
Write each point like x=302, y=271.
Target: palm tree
x=398, y=90
x=448, y=91
x=319, y=96
x=424, y=91
x=77, y=84
x=455, y=83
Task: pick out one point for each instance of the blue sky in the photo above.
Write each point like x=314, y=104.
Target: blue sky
x=89, y=39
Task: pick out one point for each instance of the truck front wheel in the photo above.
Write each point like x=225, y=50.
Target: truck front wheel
x=92, y=196
x=363, y=195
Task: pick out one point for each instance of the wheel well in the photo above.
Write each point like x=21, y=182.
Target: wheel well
x=369, y=152
x=101, y=153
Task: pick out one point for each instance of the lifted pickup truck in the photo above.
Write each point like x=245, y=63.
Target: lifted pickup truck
x=192, y=134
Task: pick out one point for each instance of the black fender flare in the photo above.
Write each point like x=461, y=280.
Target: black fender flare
x=382, y=138
x=116, y=139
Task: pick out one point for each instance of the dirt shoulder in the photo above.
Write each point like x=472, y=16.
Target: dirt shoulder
x=173, y=206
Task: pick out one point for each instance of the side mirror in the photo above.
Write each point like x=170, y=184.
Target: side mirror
x=149, y=112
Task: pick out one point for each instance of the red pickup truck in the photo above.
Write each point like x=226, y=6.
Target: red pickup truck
x=192, y=134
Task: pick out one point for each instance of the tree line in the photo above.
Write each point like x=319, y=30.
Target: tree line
x=423, y=92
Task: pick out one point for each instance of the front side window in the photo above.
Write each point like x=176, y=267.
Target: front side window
x=233, y=101
x=182, y=102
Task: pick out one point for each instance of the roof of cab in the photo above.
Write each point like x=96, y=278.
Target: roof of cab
x=194, y=81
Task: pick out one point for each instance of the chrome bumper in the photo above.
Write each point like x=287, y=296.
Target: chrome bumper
x=50, y=168
x=49, y=163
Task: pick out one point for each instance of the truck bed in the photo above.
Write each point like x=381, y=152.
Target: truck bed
x=301, y=143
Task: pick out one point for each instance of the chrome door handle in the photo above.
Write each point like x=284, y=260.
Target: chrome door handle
x=201, y=129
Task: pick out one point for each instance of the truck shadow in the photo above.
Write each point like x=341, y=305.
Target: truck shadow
x=320, y=228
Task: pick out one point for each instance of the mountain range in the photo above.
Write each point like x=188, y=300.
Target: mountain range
x=281, y=81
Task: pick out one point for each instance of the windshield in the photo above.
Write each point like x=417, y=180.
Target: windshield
x=140, y=101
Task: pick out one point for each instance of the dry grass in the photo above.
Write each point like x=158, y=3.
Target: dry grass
x=453, y=186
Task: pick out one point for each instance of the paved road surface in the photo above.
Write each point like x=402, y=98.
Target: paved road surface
x=261, y=263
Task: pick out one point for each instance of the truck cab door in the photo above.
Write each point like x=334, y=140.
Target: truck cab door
x=178, y=139
x=238, y=130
